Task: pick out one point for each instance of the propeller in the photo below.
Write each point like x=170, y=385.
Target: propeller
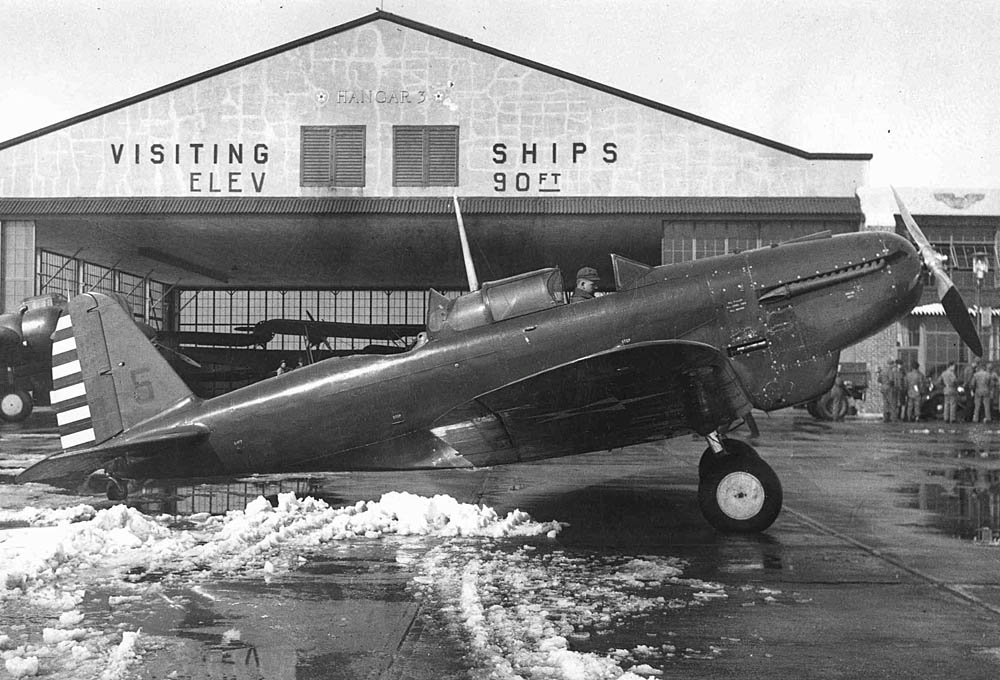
x=954, y=306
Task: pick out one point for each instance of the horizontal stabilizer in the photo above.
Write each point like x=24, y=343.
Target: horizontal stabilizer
x=84, y=461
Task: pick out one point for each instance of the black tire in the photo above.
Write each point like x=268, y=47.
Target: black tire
x=117, y=489
x=823, y=408
x=813, y=408
x=740, y=494
x=15, y=405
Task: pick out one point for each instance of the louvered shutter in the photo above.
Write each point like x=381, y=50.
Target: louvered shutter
x=442, y=156
x=425, y=156
x=349, y=156
x=316, y=156
x=407, y=156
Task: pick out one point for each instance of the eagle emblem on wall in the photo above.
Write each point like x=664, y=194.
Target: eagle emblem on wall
x=959, y=202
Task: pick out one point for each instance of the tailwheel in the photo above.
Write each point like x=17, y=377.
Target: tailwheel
x=117, y=488
x=738, y=491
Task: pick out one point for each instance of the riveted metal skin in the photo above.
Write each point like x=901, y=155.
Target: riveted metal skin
x=509, y=373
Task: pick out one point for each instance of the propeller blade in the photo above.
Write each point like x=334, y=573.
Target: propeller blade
x=954, y=306
x=958, y=313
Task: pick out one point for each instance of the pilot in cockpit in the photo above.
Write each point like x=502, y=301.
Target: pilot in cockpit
x=586, y=283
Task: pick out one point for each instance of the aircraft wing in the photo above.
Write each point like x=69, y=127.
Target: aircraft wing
x=338, y=329
x=215, y=339
x=75, y=463
x=642, y=392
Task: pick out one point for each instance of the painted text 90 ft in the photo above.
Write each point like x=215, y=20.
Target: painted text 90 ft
x=527, y=181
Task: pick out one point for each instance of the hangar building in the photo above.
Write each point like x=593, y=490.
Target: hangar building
x=316, y=179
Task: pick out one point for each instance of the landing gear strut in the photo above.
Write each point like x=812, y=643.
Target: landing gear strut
x=738, y=492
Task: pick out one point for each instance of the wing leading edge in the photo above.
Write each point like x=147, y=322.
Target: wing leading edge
x=630, y=395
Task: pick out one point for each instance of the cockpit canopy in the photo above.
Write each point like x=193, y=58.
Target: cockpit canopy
x=495, y=301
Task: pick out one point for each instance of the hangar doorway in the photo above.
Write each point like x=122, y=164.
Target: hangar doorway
x=265, y=327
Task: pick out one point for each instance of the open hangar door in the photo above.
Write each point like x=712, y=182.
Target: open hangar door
x=229, y=263
x=221, y=274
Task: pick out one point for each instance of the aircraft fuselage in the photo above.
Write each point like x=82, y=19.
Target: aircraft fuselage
x=780, y=315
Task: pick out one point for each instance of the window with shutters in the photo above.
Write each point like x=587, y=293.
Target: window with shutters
x=425, y=156
x=333, y=156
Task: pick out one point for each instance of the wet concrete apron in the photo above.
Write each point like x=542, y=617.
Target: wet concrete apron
x=871, y=570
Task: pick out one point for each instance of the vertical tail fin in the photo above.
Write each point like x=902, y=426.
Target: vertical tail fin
x=106, y=375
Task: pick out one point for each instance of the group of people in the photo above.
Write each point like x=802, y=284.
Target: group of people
x=904, y=391
x=285, y=368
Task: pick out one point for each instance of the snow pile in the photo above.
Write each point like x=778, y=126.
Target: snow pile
x=50, y=558
x=252, y=536
x=45, y=517
x=524, y=614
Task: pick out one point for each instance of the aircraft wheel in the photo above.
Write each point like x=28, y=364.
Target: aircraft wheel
x=15, y=405
x=740, y=493
x=827, y=407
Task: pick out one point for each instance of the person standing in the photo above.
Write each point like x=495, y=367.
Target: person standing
x=982, y=385
x=888, y=382
x=915, y=382
x=949, y=388
x=901, y=389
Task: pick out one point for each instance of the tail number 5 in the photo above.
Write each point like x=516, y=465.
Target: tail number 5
x=142, y=388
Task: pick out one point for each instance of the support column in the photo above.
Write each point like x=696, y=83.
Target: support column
x=17, y=262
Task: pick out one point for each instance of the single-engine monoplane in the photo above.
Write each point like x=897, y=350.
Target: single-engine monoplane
x=509, y=372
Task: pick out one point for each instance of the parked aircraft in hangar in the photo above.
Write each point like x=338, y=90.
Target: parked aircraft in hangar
x=509, y=372
x=26, y=353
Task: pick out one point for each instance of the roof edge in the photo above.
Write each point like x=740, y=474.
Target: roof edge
x=451, y=37
x=678, y=206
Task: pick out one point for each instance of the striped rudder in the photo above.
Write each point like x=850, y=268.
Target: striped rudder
x=69, y=394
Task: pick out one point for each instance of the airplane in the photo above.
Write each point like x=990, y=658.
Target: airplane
x=510, y=372
x=26, y=353
x=317, y=332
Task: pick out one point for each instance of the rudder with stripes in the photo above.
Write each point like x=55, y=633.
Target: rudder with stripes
x=106, y=375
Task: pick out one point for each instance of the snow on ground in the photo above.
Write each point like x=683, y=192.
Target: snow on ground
x=525, y=613
x=521, y=608
x=51, y=557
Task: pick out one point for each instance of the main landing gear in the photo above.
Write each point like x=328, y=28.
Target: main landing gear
x=738, y=492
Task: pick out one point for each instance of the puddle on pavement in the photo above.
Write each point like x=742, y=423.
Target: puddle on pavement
x=965, y=501
x=964, y=496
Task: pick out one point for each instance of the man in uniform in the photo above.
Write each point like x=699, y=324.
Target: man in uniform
x=949, y=388
x=586, y=282
x=915, y=385
x=982, y=385
x=901, y=388
x=888, y=382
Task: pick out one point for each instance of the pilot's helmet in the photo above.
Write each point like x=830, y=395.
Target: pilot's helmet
x=588, y=273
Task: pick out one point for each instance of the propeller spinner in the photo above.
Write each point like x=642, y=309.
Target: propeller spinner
x=954, y=306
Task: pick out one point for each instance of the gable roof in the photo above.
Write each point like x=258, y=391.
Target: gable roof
x=444, y=35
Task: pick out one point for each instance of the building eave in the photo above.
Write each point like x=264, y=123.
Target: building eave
x=691, y=206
